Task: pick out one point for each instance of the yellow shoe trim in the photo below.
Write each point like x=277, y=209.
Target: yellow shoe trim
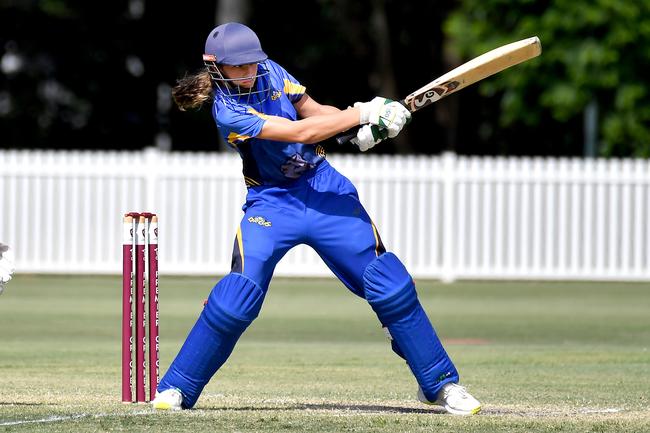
x=162, y=405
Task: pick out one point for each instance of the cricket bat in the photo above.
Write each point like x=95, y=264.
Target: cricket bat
x=481, y=67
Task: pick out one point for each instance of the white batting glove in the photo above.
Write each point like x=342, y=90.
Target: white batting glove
x=384, y=113
x=368, y=136
x=6, y=265
x=366, y=108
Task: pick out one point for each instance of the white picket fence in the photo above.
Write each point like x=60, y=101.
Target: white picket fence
x=447, y=217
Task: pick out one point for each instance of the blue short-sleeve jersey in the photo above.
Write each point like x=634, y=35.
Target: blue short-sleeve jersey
x=266, y=162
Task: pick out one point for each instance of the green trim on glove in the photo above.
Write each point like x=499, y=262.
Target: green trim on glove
x=378, y=133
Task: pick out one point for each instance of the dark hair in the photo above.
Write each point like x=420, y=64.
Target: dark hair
x=192, y=91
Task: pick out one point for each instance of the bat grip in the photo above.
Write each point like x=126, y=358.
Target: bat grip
x=348, y=135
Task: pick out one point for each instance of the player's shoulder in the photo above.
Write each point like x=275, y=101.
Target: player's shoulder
x=276, y=69
x=273, y=65
x=282, y=79
x=225, y=112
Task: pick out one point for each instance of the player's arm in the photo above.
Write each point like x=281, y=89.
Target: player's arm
x=367, y=136
x=320, y=122
x=312, y=129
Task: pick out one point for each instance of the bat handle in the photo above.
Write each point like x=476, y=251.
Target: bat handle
x=348, y=135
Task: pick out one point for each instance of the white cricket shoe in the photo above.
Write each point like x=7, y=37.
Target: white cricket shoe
x=455, y=399
x=169, y=399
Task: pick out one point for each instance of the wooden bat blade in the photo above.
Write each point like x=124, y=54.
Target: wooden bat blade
x=481, y=67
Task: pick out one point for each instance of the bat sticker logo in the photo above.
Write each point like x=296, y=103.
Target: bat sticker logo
x=434, y=94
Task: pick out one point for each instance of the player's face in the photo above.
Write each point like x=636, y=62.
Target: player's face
x=246, y=72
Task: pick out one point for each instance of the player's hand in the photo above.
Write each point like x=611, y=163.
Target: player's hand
x=368, y=136
x=6, y=265
x=385, y=113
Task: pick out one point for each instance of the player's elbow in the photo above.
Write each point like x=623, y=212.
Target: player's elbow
x=310, y=139
x=307, y=136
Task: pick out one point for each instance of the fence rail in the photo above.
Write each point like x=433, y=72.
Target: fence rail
x=447, y=217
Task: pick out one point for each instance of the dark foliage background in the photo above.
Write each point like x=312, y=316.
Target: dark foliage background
x=96, y=75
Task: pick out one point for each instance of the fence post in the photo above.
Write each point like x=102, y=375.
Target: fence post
x=152, y=160
x=448, y=274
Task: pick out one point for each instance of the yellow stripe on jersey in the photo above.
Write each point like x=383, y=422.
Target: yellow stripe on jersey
x=235, y=139
x=249, y=181
x=374, y=232
x=293, y=88
x=257, y=113
x=240, y=244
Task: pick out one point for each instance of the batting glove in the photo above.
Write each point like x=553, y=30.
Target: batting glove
x=368, y=136
x=6, y=265
x=385, y=113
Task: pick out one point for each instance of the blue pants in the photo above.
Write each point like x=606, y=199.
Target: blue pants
x=322, y=210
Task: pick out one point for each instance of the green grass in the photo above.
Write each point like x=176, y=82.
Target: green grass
x=558, y=357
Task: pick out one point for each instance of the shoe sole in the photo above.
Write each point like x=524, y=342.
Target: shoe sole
x=165, y=406
x=463, y=412
x=449, y=409
x=454, y=411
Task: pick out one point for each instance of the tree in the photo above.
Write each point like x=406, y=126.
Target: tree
x=71, y=77
x=595, y=54
x=77, y=74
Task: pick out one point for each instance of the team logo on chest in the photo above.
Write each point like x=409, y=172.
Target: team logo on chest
x=276, y=95
x=259, y=220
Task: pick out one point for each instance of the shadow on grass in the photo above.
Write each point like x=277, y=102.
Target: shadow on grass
x=365, y=408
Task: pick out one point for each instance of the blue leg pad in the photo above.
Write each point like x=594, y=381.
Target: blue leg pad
x=232, y=305
x=390, y=291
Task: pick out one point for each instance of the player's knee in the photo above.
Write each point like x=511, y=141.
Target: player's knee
x=389, y=288
x=233, y=304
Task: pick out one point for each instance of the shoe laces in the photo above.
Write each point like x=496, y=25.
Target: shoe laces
x=454, y=388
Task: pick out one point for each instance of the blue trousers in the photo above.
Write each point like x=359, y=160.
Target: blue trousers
x=322, y=210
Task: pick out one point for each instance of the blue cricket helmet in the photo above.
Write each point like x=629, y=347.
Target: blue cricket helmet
x=234, y=44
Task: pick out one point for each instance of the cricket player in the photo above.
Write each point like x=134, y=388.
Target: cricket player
x=6, y=265
x=295, y=196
